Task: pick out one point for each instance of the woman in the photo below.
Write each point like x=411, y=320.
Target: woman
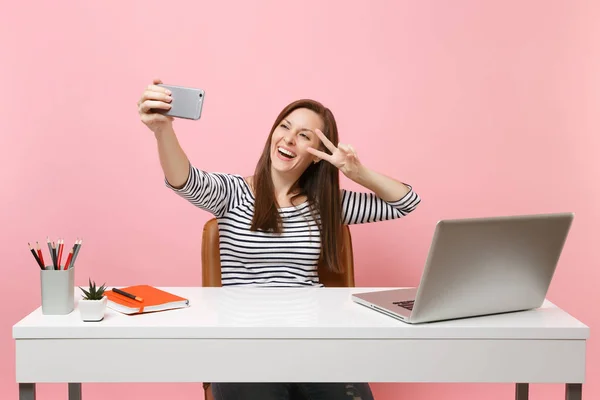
x=276, y=225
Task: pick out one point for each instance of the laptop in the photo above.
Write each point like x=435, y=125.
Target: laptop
x=480, y=266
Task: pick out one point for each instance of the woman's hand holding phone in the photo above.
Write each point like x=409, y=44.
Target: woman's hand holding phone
x=155, y=101
x=155, y=98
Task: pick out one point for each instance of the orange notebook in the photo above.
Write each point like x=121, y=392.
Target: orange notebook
x=153, y=300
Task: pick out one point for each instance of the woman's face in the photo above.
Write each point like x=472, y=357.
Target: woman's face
x=291, y=138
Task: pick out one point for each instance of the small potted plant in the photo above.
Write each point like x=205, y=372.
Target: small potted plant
x=93, y=304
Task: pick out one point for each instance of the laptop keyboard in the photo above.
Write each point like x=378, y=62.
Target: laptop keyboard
x=408, y=304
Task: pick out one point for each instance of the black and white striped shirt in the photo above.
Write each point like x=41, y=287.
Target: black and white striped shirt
x=269, y=259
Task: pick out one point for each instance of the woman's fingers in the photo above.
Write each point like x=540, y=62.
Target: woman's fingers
x=159, y=89
x=148, y=105
x=319, y=153
x=348, y=149
x=156, y=95
x=352, y=150
x=324, y=140
x=152, y=98
x=151, y=118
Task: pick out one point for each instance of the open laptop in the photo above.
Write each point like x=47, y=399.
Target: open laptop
x=480, y=266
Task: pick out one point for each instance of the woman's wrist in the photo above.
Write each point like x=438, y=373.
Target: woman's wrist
x=361, y=176
x=386, y=188
x=163, y=132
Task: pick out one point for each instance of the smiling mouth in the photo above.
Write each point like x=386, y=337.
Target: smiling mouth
x=286, y=153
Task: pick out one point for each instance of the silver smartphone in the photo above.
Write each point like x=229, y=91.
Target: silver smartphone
x=187, y=102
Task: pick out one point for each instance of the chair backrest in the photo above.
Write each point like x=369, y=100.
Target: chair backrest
x=211, y=259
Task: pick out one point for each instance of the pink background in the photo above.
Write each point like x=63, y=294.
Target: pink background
x=487, y=108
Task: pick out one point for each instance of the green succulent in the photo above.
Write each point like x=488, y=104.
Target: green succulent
x=93, y=293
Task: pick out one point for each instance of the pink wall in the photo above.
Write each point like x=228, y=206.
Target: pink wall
x=487, y=108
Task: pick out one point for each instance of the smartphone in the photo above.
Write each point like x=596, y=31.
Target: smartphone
x=187, y=102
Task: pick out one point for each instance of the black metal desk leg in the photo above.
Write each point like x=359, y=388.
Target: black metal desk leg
x=74, y=391
x=522, y=391
x=26, y=391
x=573, y=391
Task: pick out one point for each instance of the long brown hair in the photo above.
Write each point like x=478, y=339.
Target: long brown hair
x=320, y=183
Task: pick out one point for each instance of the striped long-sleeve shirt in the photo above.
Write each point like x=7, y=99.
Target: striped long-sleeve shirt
x=269, y=259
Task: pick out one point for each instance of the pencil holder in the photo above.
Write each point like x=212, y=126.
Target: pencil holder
x=58, y=288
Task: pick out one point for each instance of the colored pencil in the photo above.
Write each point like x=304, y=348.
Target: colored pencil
x=50, y=249
x=35, y=256
x=68, y=259
x=76, y=249
x=61, y=244
x=54, y=258
x=39, y=251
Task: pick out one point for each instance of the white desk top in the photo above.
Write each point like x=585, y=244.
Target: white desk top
x=302, y=313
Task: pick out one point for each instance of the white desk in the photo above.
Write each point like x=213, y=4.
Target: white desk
x=269, y=335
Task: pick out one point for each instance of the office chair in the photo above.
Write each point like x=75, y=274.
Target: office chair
x=211, y=267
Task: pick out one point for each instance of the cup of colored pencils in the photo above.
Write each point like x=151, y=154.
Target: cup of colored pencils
x=57, y=279
x=56, y=250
